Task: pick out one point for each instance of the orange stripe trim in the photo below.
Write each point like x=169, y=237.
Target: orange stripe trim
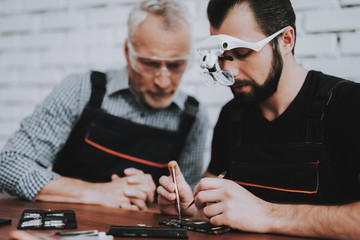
x=131, y=158
x=279, y=189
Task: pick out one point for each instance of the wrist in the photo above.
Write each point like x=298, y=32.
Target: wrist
x=65, y=189
x=271, y=219
x=90, y=193
x=281, y=218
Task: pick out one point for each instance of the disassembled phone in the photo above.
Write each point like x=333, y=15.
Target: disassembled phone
x=195, y=225
x=147, y=232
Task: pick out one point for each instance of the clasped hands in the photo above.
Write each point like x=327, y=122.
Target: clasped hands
x=133, y=191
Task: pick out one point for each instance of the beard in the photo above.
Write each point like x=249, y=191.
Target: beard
x=260, y=93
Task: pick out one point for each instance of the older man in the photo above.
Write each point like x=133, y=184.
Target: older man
x=109, y=136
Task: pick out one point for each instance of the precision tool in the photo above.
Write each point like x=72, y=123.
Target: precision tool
x=172, y=173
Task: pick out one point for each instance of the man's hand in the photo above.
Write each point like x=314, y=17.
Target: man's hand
x=227, y=203
x=143, y=182
x=129, y=192
x=140, y=189
x=167, y=196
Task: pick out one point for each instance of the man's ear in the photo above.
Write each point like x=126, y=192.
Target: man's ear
x=287, y=40
x=126, y=51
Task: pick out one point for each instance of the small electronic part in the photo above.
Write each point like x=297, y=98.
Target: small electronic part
x=195, y=225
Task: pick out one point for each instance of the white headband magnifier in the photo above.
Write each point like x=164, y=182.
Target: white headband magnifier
x=212, y=47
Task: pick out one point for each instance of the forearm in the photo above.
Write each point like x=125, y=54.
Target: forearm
x=117, y=193
x=65, y=189
x=340, y=222
x=21, y=176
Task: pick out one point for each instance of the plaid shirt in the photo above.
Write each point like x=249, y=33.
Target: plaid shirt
x=26, y=160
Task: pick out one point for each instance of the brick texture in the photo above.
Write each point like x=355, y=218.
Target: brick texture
x=41, y=41
x=332, y=20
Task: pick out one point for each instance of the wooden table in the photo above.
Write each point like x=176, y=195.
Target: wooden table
x=93, y=217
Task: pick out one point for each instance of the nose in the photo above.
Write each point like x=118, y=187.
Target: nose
x=232, y=66
x=162, y=78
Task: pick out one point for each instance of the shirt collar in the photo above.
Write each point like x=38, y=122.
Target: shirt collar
x=119, y=80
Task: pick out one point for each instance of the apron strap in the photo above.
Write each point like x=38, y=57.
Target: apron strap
x=318, y=109
x=98, y=89
x=186, y=122
x=315, y=134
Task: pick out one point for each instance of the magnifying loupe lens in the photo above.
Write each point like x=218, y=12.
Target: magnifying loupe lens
x=208, y=78
x=225, y=78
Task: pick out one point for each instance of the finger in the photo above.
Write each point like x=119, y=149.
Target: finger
x=132, y=171
x=143, y=178
x=139, y=203
x=128, y=206
x=217, y=220
x=134, y=193
x=178, y=173
x=134, y=179
x=167, y=183
x=164, y=201
x=114, y=177
x=144, y=183
x=182, y=184
x=123, y=200
x=213, y=209
x=208, y=196
x=149, y=191
x=170, y=196
x=209, y=183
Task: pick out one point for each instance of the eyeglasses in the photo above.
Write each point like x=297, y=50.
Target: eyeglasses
x=152, y=66
x=212, y=47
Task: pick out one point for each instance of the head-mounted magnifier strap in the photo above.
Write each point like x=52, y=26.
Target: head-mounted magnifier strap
x=229, y=42
x=215, y=45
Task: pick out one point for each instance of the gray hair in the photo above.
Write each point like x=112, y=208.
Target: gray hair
x=171, y=11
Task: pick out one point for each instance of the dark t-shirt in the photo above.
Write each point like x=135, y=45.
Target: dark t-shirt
x=341, y=137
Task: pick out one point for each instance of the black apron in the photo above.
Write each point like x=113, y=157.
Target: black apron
x=102, y=144
x=287, y=173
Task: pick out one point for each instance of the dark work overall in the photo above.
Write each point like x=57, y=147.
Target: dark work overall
x=288, y=173
x=102, y=144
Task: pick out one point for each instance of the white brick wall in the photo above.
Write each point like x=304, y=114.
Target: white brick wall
x=41, y=41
